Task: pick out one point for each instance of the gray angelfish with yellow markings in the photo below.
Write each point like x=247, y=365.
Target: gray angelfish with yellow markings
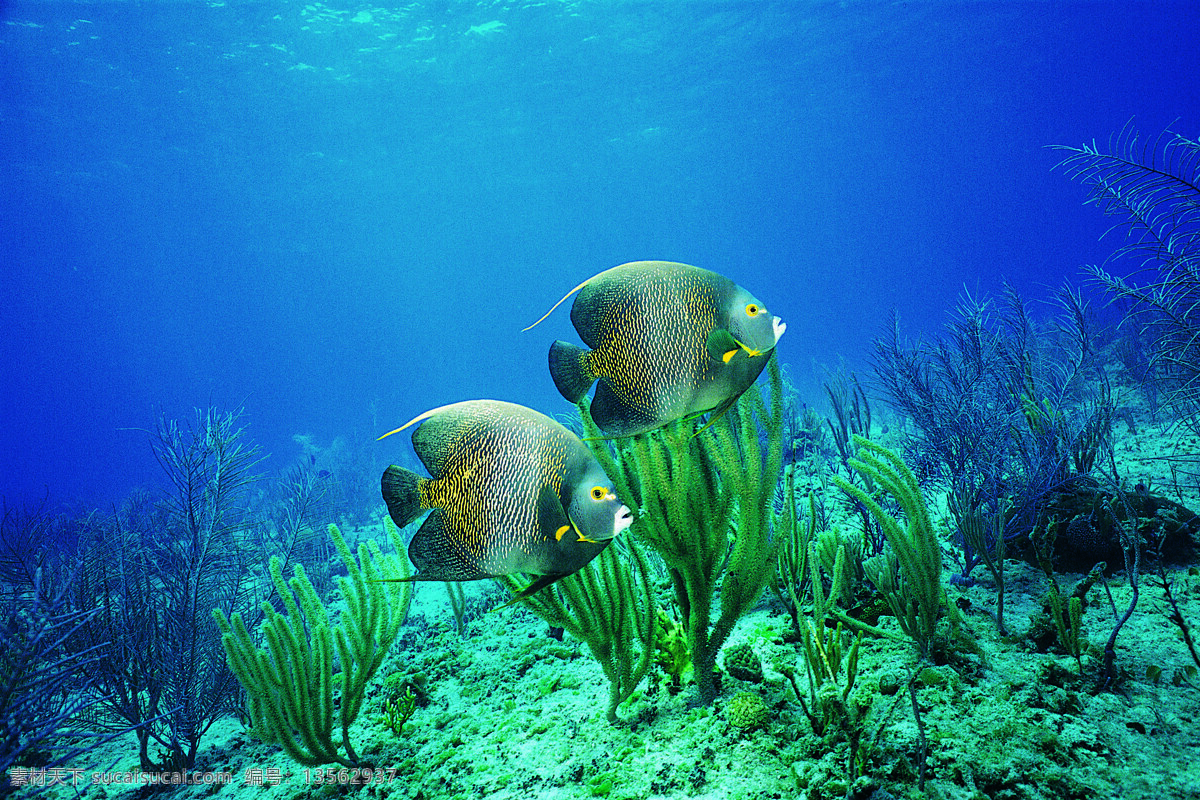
x=667, y=341
x=511, y=490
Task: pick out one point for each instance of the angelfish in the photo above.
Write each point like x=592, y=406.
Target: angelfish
x=510, y=490
x=666, y=341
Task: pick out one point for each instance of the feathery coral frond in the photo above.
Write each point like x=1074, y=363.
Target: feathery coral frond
x=1154, y=187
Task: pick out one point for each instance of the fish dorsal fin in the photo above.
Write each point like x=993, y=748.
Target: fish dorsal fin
x=416, y=419
x=441, y=427
x=559, y=303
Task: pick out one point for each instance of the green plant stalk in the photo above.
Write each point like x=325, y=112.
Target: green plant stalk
x=920, y=598
x=609, y=607
x=693, y=490
x=794, y=535
x=458, y=604
x=752, y=563
x=1075, y=611
x=973, y=524
x=1068, y=623
x=290, y=684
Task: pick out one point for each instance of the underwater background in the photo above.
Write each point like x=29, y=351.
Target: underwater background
x=291, y=227
x=338, y=217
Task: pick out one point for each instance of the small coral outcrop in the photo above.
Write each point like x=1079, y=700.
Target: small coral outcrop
x=747, y=711
x=743, y=663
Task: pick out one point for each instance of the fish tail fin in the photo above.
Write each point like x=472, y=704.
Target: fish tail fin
x=570, y=371
x=402, y=493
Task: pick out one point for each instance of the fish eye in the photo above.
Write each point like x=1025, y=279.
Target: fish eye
x=753, y=310
x=599, y=493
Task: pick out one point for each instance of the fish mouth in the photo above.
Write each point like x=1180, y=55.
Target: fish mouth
x=778, y=326
x=624, y=520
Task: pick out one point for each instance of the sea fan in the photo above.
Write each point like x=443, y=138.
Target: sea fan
x=1155, y=190
x=1154, y=187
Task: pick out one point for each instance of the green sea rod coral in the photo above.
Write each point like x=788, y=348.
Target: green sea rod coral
x=909, y=576
x=290, y=685
x=608, y=605
x=703, y=500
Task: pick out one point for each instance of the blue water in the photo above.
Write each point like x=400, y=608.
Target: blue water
x=338, y=216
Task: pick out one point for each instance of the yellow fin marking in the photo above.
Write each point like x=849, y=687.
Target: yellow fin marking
x=750, y=351
x=558, y=534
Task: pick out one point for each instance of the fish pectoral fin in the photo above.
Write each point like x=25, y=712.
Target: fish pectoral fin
x=533, y=588
x=741, y=348
x=578, y=532
x=721, y=345
x=553, y=519
x=716, y=414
